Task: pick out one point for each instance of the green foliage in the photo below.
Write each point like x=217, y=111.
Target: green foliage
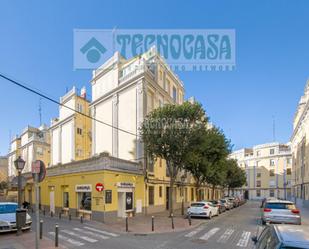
x=3, y=185
x=236, y=176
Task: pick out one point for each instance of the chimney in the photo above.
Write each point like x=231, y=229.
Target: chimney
x=83, y=92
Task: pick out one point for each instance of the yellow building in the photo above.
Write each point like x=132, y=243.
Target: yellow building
x=3, y=168
x=71, y=188
x=71, y=131
x=269, y=171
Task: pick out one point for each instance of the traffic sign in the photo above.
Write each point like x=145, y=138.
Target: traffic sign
x=41, y=171
x=99, y=187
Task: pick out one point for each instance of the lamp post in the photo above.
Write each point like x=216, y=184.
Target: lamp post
x=19, y=165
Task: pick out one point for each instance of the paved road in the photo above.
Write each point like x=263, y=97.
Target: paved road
x=232, y=229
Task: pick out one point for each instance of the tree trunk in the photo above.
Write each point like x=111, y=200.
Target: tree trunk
x=213, y=192
x=171, y=189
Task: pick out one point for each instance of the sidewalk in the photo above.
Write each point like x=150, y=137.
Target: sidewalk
x=304, y=215
x=25, y=241
x=143, y=224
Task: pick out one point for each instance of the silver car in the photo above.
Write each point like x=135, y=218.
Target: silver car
x=8, y=217
x=283, y=236
x=279, y=211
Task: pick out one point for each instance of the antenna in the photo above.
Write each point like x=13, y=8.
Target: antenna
x=40, y=111
x=274, y=128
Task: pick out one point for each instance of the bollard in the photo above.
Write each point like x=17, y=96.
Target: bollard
x=60, y=215
x=127, y=224
x=152, y=223
x=52, y=214
x=172, y=217
x=56, y=235
x=189, y=219
x=81, y=219
x=70, y=217
x=41, y=229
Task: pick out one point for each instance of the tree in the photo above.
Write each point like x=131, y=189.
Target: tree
x=167, y=132
x=3, y=185
x=217, y=148
x=235, y=176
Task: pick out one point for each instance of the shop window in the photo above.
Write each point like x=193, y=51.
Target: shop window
x=151, y=195
x=108, y=196
x=271, y=193
x=288, y=171
x=84, y=200
x=65, y=199
x=160, y=191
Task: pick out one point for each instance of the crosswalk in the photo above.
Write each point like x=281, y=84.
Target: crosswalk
x=79, y=236
x=219, y=235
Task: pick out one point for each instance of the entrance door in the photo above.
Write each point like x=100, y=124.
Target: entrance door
x=167, y=197
x=129, y=201
x=52, y=201
x=246, y=195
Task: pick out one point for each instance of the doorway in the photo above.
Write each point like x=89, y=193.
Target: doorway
x=167, y=198
x=246, y=195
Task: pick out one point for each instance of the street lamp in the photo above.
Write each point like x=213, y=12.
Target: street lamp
x=19, y=165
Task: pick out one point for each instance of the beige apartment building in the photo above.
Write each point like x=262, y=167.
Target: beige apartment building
x=269, y=170
x=300, y=149
x=32, y=144
x=71, y=132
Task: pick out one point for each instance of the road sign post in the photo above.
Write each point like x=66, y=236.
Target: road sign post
x=38, y=174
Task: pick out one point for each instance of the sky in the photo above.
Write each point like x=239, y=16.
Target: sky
x=272, y=37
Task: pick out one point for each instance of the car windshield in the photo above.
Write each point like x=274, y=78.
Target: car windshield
x=214, y=202
x=278, y=205
x=223, y=201
x=197, y=205
x=8, y=208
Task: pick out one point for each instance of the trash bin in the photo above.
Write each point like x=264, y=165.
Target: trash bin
x=21, y=215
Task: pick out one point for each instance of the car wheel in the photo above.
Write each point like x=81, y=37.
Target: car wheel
x=209, y=216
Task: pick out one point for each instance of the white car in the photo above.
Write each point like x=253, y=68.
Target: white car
x=203, y=209
x=8, y=217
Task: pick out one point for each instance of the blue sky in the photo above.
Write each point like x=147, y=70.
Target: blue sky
x=272, y=37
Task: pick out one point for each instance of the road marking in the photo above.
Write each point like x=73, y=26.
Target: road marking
x=192, y=233
x=100, y=231
x=243, y=242
x=79, y=236
x=71, y=241
x=210, y=233
x=225, y=237
x=91, y=233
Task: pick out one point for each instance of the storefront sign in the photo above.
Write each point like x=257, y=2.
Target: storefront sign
x=125, y=185
x=83, y=188
x=99, y=187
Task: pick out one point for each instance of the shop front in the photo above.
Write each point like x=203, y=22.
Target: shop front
x=125, y=191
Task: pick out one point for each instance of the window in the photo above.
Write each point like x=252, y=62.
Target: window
x=271, y=172
x=288, y=160
x=79, y=107
x=160, y=191
x=258, y=184
x=258, y=175
x=272, y=162
x=258, y=153
x=151, y=195
x=79, y=131
x=258, y=193
x=271, y=193
x=174, y=94
x=271, y=183
x=167, y=172
x=272, y=151
x=39, y=150
x=192, y=194
x=65, y=199
x=168, y=86
x=289, y=171
x=108, y=196
x=161, y=75
x=84, y=200
x=79, y=152
x=150, y=164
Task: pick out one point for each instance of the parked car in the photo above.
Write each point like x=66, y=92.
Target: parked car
x=220, y=205
x=234, y=201
x=282, y=236
x=279, y=211
x=228, y=205
x=203, y=209
x=8, y=217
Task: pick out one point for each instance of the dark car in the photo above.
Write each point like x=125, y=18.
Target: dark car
x=220, y=205
x=283, y=236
